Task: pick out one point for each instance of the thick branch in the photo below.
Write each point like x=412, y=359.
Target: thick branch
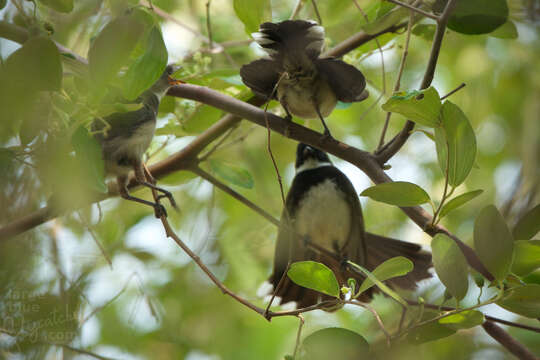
x=508, y=341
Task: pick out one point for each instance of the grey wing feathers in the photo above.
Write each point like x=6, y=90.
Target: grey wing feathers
x=347, y=82
x=261, y=76
x=293, y=35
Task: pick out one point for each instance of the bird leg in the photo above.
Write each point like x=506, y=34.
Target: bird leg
x=159, y=209
x=326, y=130
x=141, y=177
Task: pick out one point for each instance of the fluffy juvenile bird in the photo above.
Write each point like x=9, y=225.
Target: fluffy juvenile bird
x=124, y=138
x=305, y=84
x=323, y=208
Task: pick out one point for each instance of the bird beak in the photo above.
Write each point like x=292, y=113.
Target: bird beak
x=174, y=82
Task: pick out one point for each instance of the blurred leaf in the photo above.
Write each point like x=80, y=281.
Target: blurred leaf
x=384, y=8
x=335, y=343
x=252, y=13
x=478, y=16
x=507, y=31
x=526, y=257
x=177, y=178
x=523, y=300
x=450, y=265
x=425, y=31
x=88, y=152
x=112, y=48
x=202, y=119
x=314, y=275
x=232, y=173
x=457, y=131
x=429, y=332
x=104, y=110
x=463, y=320
x=391, y=268
x=148, y=68
x=528, y=225
x=2, y=4
x=64, y=6
x=399, y=193
x=167, y=105
x=459, y=201
x=493, y=242
x=422, y=107
x=35, y=66
x=393, y=17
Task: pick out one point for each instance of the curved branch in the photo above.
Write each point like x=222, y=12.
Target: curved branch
x=508, y=341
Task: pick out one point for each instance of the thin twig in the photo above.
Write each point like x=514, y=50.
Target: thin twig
x=208, y=24
x=95, y=238
x=298, y=335
x=453, y=91
x=316, y=11
x=218, y=144
x=82, y=351
x=508, y=341
x=398, y=80
x=415, y=9
x=297, y=9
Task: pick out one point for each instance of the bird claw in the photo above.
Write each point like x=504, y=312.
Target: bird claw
x=159, y=210
x=170, y=197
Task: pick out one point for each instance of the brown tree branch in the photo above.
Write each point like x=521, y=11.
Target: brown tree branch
x=508, y=341
x=392, y=147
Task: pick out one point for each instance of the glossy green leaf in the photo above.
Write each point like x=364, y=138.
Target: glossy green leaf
x=528, y=225
x=147, y=68
x=463, y=320
x=422, y=107
x=232, y=173
x=334, y=343
x=314, y=275
x=385, y=289
x=64, y=6
x=399, y=193
x=456, y=135
x=478, y=16
x=459, y=201
x=391, y=268
x=112, y=48
x=523, y=300
x=253, y=13
x=493, y=242
x=450, y=265
x=506, y=31
x=88, y=152
x=526, y=257
x=429, y=332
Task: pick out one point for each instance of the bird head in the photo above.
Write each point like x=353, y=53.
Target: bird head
x=308, y=157
x=165, y=81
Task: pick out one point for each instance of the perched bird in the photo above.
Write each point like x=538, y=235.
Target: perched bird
x=322, y=208
x=124, y=137
x=305, y=84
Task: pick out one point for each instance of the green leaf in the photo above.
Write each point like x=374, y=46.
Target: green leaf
x=148, y=68
x=112, y=48
x=64, y=6
x=334, y=343
x=425, y=31
x=391, y=268
x=252, y=13
x=523, y=300
x=202, y=119
x=88, y=152
x=526, y=257
x=458, y=132
x=507, y=31
x=391, y=18
x=232, y=173
x=379, y=284
x=2, y=4
x=399, y=193
x=422, y=107
x=478, y=16
x=528, y=225
x=450, y=265
x=493, y=242
x=36, y=66
x=314, y=275
x=429, y=332
x=458, y=201
x=463, y=320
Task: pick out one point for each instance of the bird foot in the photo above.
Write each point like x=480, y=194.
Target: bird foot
x=159, y=210
x=169, y=196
